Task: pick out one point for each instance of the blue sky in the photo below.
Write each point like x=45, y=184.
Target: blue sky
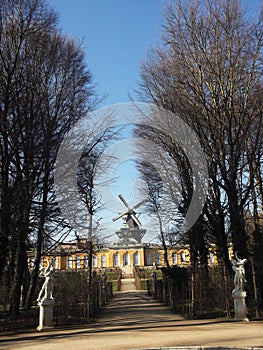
x=116, y=34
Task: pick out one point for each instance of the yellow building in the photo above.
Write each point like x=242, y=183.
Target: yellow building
x=69, y=256
x=129, y=251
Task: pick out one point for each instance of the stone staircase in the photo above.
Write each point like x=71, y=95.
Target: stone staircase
x=127, y=272
x=127, y=280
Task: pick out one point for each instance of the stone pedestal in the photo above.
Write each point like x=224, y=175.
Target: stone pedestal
x=46, y=313
x=240, y=305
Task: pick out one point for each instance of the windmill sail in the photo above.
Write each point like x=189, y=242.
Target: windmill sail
x=129, y=215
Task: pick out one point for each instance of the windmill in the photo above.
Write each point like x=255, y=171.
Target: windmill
x=129, y=215
x=131, y=231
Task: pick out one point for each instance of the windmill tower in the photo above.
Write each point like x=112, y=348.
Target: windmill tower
x=131, y=231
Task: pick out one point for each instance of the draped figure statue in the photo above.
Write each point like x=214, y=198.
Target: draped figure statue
x=239, y=278
x=47, y=287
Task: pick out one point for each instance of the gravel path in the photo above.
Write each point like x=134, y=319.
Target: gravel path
x=132, y=320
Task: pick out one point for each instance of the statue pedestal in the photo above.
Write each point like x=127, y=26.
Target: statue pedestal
x=46, y=313
x=240, y=305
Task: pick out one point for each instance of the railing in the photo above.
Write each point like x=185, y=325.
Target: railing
x=143, y=276
x=189, y=295
x=71, y=302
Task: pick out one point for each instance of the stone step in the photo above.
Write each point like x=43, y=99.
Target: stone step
x=127, y=275
x=127, y=271
x=128, y=284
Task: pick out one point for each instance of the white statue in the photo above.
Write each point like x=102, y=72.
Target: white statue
x=239, y=278
x=47, y=287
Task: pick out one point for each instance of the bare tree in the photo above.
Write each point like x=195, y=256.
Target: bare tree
x=92, y=163
x=209, y=72
x=45, y=89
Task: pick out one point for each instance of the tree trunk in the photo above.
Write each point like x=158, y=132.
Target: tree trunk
x=255, y=288
x=89, y=278
x=20, y=261
x=5, y=206
x=40, y=234
x=237, y=225
x=227, y=290
x=35, y=272
x=90, y=251
x=20, y=268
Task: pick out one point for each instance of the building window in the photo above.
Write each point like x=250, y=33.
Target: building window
x=182, y=257
x=94, y=261
x=149, y=260
x=126, y=259
x=31, y=263
x=174, y=258
x=77, y=262
x=116, y=260
x=103, y=261
x=55, y=263
x=86, y=261
x=157, y=258
x=136, y=259
x=70, y=262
